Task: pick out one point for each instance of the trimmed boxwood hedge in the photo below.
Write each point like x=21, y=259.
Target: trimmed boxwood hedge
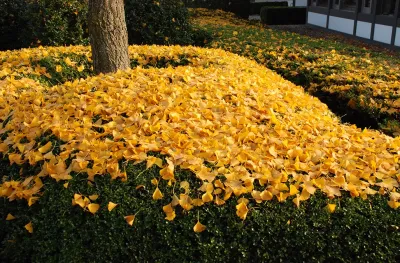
x=211, y=4
x=255, y=8
x=283, y=15
x=358, y=231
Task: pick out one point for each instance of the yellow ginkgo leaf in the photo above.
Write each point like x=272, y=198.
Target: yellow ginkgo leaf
x=140, y=186
x=65, y=185
x=169, y=212
x=93, y=197
x=242, y=210
x=154, y=181
x=167, y=173
x=32, y=200
x=47, y=147
x=151, y=160
x=331, y=208
x=10, y=217
x=199, y=227
x=111, y=206
x=293, y=190
x=29, y=227
x=157, y=195
x=197, y=202
x=93, y=208
x=81, y=68
x=207, y=197
x=129, y=219
x=393, y=204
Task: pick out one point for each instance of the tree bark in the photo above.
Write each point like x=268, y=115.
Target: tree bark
x=108, y=35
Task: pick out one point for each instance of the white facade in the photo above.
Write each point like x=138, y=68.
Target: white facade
x=375, y=20
x=341, y=24
x=317, y=19
x=383, y=33
x=397, y=39
x=364, y=29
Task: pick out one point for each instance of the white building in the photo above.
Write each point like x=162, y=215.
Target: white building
x=377, y=20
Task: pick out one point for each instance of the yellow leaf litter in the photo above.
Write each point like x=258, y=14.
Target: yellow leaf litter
x=254, y=127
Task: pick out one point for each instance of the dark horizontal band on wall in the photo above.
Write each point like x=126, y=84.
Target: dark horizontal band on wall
x=365, y=17
x=343, y=14
x=318, y=9
x=385, y=20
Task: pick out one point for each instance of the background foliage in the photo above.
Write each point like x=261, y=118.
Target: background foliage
x=158, y=22
x=26, y=23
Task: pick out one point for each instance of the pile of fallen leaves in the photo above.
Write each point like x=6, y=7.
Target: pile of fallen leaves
x=235, y=124
x=367, y=81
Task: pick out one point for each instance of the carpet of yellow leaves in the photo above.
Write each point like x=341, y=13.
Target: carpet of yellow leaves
x=368, y=82
x=254, y=127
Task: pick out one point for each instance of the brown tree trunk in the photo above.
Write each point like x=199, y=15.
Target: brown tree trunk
x=108, y=35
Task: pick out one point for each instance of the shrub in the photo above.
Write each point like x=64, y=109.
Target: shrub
x=158, y=22
x=241, y=8
x=58, y=22
x=211, y=4
x=10, y=23
x=255, y=8
x=283, y=15
x=54, y=23
x=358, y=231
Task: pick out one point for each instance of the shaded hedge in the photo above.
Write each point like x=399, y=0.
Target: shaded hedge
x=211, y=4
x=283, y=15
x=358, y=231
x=25, y=23
x=255, y=8
x=161, y=22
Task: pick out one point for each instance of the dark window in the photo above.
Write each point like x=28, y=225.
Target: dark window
x=366, y=6
x=386, y=7
x=323, y=3
x=336, y=4
x=349, y=5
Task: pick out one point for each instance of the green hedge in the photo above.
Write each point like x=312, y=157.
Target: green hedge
x=161, y=22
x=10, y=23
x=211, y=4
x=358, y=231
x=42, y=22
x=26, y=23
x=255, y=8
x=283, y=15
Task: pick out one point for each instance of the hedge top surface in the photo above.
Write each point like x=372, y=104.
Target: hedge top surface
x=241, y=128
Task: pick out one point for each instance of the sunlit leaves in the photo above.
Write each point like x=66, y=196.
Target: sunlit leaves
x=111, y=206
x=93, y=208
x=157, y=195
x=169, y=212
x=242, y=210
x=199, y=227
x=29, y=227
x=10, y=217
x=331, y=208
x=130, y=219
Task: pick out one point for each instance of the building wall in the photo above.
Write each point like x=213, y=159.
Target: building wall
x=317, y=19
x=397, y=39
x=383, y=33
x=341, y=24
x=364, y=29
x=375, y=25
x=301, y=2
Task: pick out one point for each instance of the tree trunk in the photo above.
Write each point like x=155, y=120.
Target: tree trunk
x=108, y=35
